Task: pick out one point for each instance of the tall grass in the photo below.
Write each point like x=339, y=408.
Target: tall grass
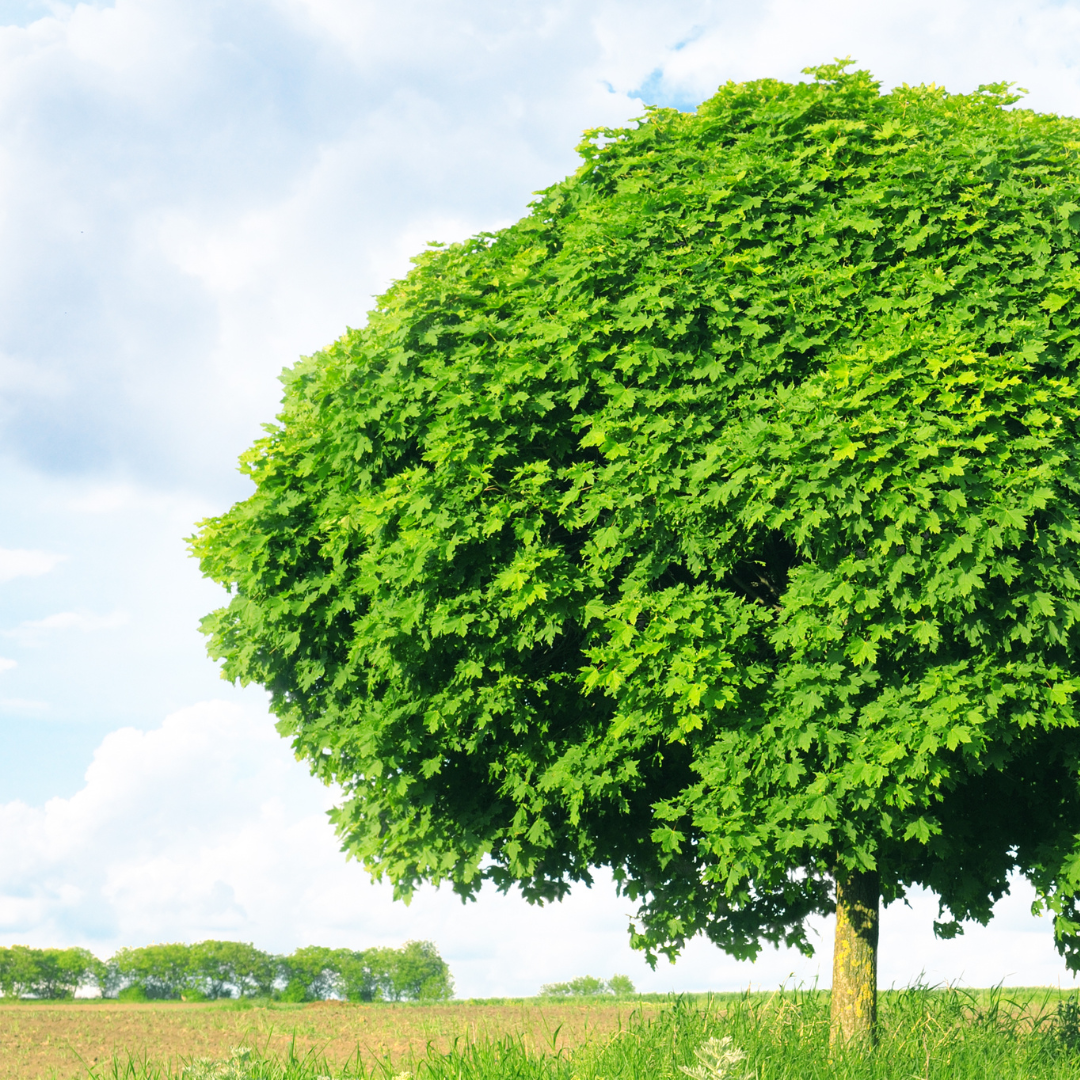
x=926, y=1034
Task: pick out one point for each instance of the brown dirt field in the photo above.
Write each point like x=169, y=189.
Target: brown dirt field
x=45, y=1041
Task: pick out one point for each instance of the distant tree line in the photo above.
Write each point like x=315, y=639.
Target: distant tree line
x=589, y=986
x=209, y=970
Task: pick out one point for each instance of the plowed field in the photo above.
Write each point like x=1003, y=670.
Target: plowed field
x=43, y=1040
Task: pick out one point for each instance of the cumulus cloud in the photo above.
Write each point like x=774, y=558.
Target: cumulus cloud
x=198, y=193
x=207, y=827
x=20, y=563
x=957, y=43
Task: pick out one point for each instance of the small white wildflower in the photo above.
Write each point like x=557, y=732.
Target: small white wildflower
x=715, y=1058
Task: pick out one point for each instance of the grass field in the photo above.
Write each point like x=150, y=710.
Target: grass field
x=926, y=1035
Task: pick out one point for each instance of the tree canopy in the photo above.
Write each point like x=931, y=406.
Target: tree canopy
x=715, y=523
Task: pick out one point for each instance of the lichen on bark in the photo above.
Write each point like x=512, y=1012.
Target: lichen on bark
x=854, y=985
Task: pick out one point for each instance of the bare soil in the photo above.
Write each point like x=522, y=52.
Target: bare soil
x=59, y=1040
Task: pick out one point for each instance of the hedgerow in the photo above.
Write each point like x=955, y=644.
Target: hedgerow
x=208, y=970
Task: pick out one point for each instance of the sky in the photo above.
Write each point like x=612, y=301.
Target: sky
x=193, y=195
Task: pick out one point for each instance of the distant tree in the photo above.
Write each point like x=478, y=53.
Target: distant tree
x=47, y=973
x=215, y=969
x=419, y=973
x=313, y=973
x=161, y=971
x=367, y=975
x=589, y=986
x=415, y=972
x=64, y=971
x=620, y=985
x=582, y=986
x=19, y=970
x=221, y=967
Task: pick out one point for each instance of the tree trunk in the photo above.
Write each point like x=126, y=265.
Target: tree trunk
x=854, y=982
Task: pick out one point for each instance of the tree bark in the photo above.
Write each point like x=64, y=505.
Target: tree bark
x=854, y=984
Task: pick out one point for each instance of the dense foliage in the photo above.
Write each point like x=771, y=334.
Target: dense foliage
x=716, y=523
x=209, y=970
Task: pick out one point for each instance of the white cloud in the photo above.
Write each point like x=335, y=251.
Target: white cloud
x=104, y=499
x=6, y=664
x=228, y=190
x=228, y=185
x=957, y=43
x=33, y=631
x=76, y=620
x=207, y=827
x=16, y=563
x=22, y=706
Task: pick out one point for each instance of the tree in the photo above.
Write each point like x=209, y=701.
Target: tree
x=156, y=971
x=63, y=971
x=414, y=972
x=47, y=973
x=223, y=966
x=313, y=973
x=365, y=974
x=715, y=523
x=419, y=973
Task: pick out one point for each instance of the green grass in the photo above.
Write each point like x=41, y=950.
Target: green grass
x=926, y=1034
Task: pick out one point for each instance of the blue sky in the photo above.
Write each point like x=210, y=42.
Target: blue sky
x=193, y=195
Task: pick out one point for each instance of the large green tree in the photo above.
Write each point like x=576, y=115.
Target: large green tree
x=716, y=523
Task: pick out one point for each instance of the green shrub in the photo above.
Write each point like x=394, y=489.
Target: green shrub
x=296, y=990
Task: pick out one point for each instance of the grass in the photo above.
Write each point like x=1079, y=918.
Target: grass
x=926, y=1034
